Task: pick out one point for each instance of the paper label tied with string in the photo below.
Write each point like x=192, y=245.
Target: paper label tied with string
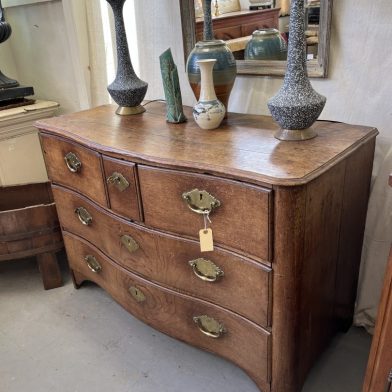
x=205, y=235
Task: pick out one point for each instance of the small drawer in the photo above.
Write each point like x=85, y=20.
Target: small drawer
x=74, y=166
x=191, y=320
x=221, y=277
x=122, y=189
x=240, y=220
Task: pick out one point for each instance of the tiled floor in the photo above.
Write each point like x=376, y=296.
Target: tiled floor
x=65, y=340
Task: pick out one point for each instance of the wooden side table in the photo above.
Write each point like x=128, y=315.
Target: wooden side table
x=28, y=218
x=379, y=371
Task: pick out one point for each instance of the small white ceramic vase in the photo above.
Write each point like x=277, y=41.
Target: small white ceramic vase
x=209, y=111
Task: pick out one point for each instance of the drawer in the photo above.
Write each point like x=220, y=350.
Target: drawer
x=248, y=29
x=177, y=315
x=81, y=170
x=122, y=189
x=228, y=33
x=244, y=288
x=241, y=222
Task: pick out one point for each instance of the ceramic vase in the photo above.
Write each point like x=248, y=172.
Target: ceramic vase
x=266, y=44
x=127, y=90
x=209, y=111
x=297, y=105
x=225, y=69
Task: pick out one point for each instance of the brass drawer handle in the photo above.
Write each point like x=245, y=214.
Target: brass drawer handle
x=73, y=163
x=93, y=264
x=209, y=326
x=200, y=202
x=84, y=216
x=206, y=270
x=137, y=294
x=129, y=243
x=118, y=180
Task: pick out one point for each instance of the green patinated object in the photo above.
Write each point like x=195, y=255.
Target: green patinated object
x=171, y=85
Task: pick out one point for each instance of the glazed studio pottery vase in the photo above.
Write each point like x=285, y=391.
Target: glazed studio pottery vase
x=296, y=106
x=127, y=90
x=225, y=69
x=224, y=72
x=209, y=111
x=266, y=44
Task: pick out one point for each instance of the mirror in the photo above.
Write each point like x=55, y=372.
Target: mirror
x=236, y=27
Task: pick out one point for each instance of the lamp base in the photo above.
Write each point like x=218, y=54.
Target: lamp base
x=130, y=111
x=7, y=94
x=295, y=134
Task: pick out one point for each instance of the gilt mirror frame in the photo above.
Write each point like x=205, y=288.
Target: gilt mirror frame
x=317, y=68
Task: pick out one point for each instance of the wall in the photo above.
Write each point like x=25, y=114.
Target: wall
x=40, y=53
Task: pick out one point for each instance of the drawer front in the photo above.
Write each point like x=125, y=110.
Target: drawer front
x=248, y=29
x=122, y=189
x=221, y=277
x=241, y=222
x=175, y=314
x=74, y=166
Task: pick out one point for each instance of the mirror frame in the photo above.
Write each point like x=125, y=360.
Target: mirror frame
x=317, y=68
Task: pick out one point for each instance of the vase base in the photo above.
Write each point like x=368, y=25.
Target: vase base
x=295, y=134
x=129, y=111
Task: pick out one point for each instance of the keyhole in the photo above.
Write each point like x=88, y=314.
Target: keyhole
x=201, y=196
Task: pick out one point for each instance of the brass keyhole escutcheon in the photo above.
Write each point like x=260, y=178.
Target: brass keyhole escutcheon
x=137, y=294
x=129, y=243
x=200, y=202
x=73, y=162
x=119, y=181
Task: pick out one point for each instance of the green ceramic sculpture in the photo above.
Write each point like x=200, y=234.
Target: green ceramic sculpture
x=171, y=85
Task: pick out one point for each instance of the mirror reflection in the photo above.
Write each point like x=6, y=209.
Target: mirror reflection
x=258, y=29
x=235, y=21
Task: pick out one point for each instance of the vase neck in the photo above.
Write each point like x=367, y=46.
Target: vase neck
x=2, y=19
x=207, y=90
x=207, y=23
x=296, y=56
x=124, y=64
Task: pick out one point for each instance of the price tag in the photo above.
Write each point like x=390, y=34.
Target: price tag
x=206, y=240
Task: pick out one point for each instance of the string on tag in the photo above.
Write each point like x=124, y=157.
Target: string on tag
x=207, y=220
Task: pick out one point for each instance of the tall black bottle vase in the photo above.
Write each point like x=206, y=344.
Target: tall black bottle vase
x=5, y=33
x=297, y=105
x=127, y=90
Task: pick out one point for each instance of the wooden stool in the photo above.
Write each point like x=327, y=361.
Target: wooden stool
x=29, y=227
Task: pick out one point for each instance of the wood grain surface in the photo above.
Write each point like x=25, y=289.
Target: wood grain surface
x=123, y=202
x=244, y=343
x=89, y=180
x=243, y=147
x=242, y=221
x=244, y=289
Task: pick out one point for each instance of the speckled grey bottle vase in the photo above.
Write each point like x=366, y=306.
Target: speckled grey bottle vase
x=296, y=106
x=127, y=90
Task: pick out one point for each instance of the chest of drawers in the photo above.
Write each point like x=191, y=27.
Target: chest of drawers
x=287, y=220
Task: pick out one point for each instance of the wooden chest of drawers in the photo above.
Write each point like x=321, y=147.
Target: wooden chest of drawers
x=287, y=220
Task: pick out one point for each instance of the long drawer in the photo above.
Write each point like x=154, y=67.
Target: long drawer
x=241, y=213
x=221, y=277
x=194, y=321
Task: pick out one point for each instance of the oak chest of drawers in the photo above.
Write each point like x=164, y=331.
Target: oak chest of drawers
x=287, y=221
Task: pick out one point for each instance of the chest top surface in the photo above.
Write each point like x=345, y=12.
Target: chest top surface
x=243, y=147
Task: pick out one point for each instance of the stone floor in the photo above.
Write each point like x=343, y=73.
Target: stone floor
x=65, y=340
